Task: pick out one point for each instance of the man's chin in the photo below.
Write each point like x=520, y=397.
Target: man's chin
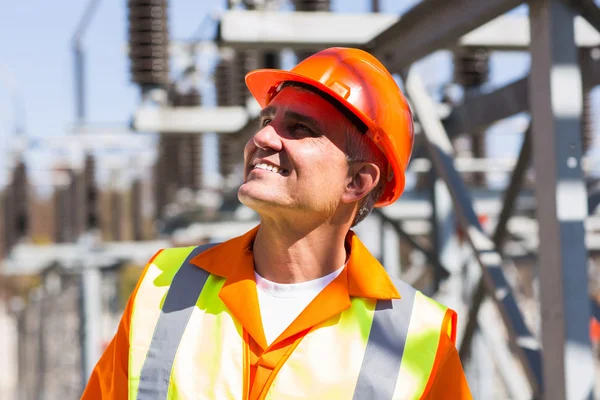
x=255, y=201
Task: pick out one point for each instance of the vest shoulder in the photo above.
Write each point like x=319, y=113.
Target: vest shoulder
x=427, y=311
x=173, y=257
x=172, y=254
x=406, y=289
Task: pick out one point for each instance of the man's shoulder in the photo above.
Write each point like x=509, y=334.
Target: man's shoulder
x=176, y=256
x=407, y=290
x=403, y=287
x=216, y=258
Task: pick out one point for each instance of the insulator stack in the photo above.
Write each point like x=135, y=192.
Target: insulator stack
x=8, y=238
x=197, y=170
x=158, y=183
x=117, y=217
x=227, y=154
x=192, y=169
x=148, y=42
x=312, y=5
x=231, y=91
x=4, y=248
x=471, y=67
x=77, y=191
x=41, y=219
x=168, y=169
x=227, y=76
x=250, y=60
x=472, y=70
x=231, y=146
x=20, y=188
x=91, y=193
x=63, y=214
x=135, y=207
x=179, y=157
x=14, y=201
x=190, y=146
x=266, y=59
x=164, y=184
x=231, y=88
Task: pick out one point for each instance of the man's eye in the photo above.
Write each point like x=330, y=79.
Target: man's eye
x=302, y=128
x=265, y=122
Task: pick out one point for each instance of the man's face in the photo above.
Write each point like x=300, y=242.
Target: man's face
x=295, y=162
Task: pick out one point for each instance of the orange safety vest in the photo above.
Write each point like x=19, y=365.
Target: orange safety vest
x=189, y=340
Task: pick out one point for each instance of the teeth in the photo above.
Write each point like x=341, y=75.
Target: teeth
x=268, y=167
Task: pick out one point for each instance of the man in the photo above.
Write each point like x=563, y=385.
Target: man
x=296, y=308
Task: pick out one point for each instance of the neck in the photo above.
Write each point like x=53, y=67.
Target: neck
x=287, y=253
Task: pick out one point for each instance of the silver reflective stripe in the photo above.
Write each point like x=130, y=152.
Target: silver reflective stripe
x=383, y=355
x=181, y=299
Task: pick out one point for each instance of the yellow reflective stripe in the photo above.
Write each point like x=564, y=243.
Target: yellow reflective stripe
x=327, y=362
x=146, y=309
x=208, y=362
x=421, y=348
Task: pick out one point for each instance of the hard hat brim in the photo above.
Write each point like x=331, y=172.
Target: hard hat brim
x=263, y=84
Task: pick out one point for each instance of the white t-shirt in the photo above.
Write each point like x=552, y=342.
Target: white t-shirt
x=281, y=303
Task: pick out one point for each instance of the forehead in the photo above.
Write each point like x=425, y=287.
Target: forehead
x=299, y=100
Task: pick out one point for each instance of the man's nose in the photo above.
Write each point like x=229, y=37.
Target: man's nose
x=268, y=139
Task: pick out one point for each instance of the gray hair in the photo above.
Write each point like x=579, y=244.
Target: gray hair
x=360, y=148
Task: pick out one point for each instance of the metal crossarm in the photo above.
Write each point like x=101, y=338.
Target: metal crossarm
x=432, y=25
x=481, y=110
x=499, y=237
x=588, y=10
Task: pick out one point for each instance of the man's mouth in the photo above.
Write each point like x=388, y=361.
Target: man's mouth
x=269, y=167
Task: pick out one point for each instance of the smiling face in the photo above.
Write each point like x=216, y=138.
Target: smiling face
x=296, y=162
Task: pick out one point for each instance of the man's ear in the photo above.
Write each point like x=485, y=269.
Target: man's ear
x=362, y=178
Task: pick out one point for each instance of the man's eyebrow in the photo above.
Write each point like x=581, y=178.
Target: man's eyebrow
x=268, y=112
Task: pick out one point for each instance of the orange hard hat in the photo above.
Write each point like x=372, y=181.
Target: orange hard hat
x=361, y=84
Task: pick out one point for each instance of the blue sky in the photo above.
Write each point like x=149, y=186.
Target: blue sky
x=36, y=51
x=36, y=62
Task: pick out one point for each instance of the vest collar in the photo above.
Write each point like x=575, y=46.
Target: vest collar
x=366, y=277
x=363, y=277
